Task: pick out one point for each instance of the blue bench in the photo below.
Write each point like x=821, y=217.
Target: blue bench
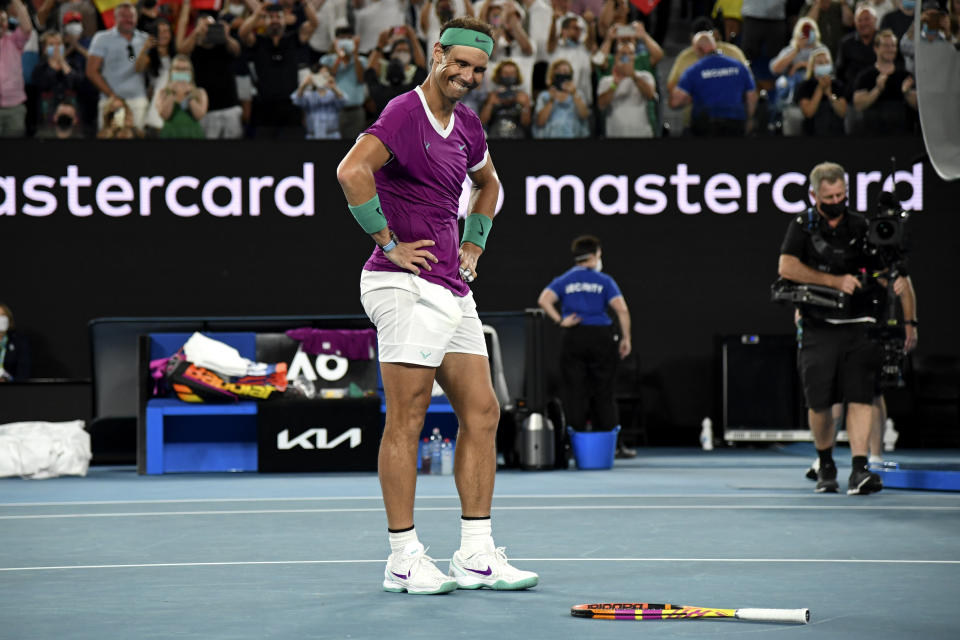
x=184, y=437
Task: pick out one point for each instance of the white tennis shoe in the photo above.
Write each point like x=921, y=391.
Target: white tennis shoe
x=413, y=571
x=489, y=569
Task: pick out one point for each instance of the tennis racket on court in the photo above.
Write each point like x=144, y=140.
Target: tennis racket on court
x=648, y=611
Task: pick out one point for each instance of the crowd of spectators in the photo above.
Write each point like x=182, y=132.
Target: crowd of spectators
x=324, y=69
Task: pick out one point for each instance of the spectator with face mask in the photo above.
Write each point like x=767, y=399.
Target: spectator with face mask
x=14, y=349
x=65, y=123
x=821, y=97
x=213, y=52
x=51, y=14
x=331, y=14
x=15, y=29
x=721, y=90
x=182, y=104
x=506, y=113
x=321, y=101
x=567, y=45
x=625, y=95
x=561, y=111
x=885, y=94
x=111, y=65
x=347, y=66
x=276, y=56
x=55, y=78
x=396, y=66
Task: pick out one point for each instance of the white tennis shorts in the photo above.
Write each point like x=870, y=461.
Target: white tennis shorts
x=418, y=322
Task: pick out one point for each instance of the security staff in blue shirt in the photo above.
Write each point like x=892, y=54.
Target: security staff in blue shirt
x=721, y=90
x=590, y=346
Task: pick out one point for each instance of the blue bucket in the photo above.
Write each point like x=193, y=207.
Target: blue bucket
x=594, y=449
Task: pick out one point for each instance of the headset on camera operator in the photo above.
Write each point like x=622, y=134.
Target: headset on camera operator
x=826, y=250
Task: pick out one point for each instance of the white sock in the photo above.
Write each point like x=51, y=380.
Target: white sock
x=400, y=540
x=475, y=535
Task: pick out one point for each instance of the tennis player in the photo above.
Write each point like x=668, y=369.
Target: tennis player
x=402, y=180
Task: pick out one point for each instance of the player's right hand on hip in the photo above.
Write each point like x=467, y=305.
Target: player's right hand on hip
x=412, y=257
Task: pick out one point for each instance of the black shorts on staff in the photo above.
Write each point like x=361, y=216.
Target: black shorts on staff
x=838, y=363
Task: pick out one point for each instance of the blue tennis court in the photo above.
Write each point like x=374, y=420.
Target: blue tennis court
x=294, y=556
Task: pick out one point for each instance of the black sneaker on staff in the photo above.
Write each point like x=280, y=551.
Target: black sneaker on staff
x=827, y=479
x=863, y=482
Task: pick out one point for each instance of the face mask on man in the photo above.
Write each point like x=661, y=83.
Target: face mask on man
x=180, y=76
x=821, y=70
x=4, y=323
x=52, y=50
x=599, y=266
x=64, y=121
x=74, y=29
x=346, y=46
x=235, y=10
x=909, y=5
x=402, y=56
x=560, y=79
x=834, y=210
x=571, y=42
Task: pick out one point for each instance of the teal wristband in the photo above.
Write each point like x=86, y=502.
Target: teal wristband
x=476, y=229
x=369, y=215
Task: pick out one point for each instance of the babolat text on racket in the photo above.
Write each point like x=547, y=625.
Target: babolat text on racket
x=649, y=611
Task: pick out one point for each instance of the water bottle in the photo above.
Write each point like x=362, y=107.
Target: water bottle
x=446, y=457
x=706, y=434
x=890, y=436
x=425, y=456
x=435, y=441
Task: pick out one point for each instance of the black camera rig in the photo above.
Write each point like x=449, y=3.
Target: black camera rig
x=886, y=241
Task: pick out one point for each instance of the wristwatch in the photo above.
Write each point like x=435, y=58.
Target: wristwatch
x=390, y=246
x=915, y=323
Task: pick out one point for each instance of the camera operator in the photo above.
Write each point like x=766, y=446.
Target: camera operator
x=839, y=362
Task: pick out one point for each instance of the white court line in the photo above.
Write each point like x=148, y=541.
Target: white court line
x=453, y=496
x=612, y=507
x=380, y=560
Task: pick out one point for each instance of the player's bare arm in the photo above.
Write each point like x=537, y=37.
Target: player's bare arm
x=355, y=174
x=487, y=187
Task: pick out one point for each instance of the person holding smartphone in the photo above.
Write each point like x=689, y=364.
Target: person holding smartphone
x=182, y=104
x=561, y=111
x=213, y=51
x=506, y=113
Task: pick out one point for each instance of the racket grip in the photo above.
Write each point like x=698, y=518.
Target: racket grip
x=798, y=616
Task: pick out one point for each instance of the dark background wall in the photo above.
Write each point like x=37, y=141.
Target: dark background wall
x=687, y=277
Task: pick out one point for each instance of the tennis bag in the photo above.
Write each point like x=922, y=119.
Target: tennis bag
x=193, y=383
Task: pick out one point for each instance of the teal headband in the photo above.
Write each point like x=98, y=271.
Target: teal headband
x=467, y=38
